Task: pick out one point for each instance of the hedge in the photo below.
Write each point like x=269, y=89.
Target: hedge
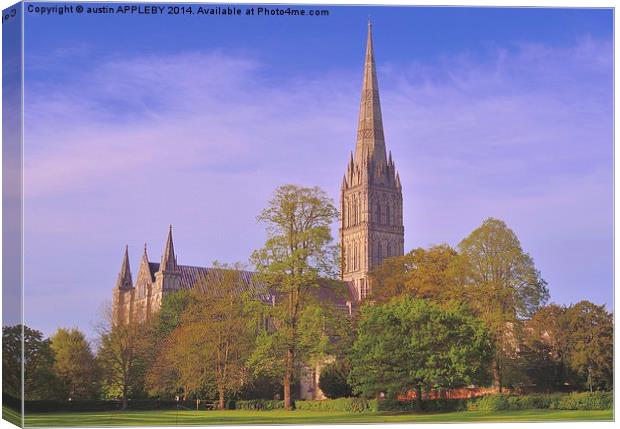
x=259, y=404
x=355, y=405
x=106, y=405
x=556, y=401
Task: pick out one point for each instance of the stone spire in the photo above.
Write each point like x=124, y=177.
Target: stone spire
x=168, y=259
x=124, y=280
x=370, y=140
x=371, y=203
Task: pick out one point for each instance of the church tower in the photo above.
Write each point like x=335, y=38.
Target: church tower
x=371, y=201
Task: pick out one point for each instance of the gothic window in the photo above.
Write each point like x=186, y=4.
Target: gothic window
x=378, y=213
x=389, y=250
x=387, y=214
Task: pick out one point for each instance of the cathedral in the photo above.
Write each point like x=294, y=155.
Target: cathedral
x=371, y=228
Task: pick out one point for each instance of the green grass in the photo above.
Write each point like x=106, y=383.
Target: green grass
x=10, y=415
x=239, y=417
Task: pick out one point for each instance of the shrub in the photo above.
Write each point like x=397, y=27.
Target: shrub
x=488, y=403
x=558, y=401
x=259, y=404
x=427, y=405
x=585, y=401
x=333, y=381
x=355, y=405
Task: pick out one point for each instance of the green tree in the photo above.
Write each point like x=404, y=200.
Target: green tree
x=296, y=255
x=168, y=318
x=333, y=380
x=75, y=364
x=590, y=344
x=210, y=346
x=124, y=353
x=40, y=382
x=421, y=273
x=545, y=348
x=410, y=344
x=501, y=283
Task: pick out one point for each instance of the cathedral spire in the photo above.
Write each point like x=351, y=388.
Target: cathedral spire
x=370, y=139
x=124, y=280
x=168, y=259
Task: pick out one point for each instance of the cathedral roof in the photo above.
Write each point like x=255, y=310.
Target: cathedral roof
x=207, y=277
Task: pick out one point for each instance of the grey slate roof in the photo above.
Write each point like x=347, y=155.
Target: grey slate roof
x=204, y=277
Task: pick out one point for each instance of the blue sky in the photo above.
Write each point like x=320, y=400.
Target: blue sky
x=136, y=122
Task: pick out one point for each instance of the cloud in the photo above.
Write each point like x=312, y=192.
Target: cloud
x=122, y=147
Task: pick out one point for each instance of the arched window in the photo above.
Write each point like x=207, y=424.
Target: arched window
x=347, y=216
x=387, y=215
x=389, y=250
x=378, y=213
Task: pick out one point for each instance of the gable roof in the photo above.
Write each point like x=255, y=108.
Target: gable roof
x=207, y=277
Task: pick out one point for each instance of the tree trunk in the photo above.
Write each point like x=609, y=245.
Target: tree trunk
x=221, y=395
x=124, y=397
x=287, y=379
x=418, y=398
x=497, y=378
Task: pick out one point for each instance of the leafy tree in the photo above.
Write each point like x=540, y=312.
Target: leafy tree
x=40, y=382
x=590, y=344
x=333, y=380
x=501, y=283
x=124, y=354
x=410, y=344
x=545, y=348
x=211, y=344
x=421, y=273
x=168, y=318
x=296, y=254
x=75, y=364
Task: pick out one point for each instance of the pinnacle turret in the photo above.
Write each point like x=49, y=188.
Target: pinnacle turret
x=168, y=259
x=124, y=280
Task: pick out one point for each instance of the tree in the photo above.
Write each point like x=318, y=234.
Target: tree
x=421, y=273
x=210, y=346
x=168, y=318
x=545, y=348
x=75, y=364
x=123, y=355
x=412, y=344
x=501, y=283
x=333, y=380
x=296, y=254
x=40, y=382
x=590, y=344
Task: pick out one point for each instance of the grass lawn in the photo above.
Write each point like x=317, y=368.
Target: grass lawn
x=238, y=417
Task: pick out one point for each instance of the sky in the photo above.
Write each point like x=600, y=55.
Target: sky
x=135, y=122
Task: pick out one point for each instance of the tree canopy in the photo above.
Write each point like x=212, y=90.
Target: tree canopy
x=408, y=344
x=75, y=364
x=297, y=253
